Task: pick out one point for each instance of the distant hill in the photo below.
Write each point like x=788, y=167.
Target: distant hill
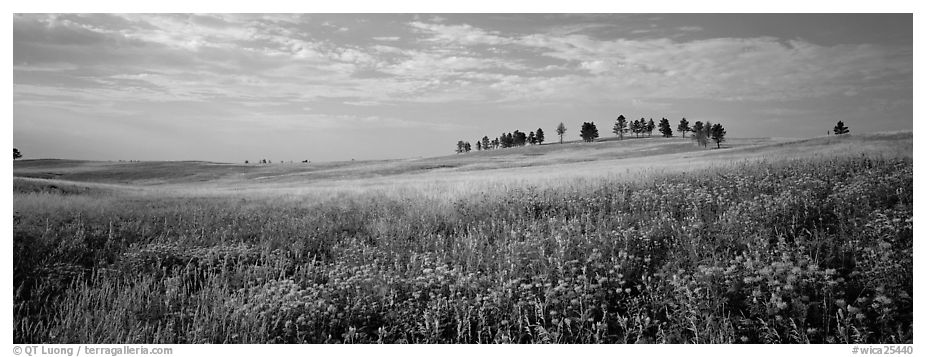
x=574, y=158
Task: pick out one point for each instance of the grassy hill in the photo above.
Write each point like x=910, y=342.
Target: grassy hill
x=607, y=157
x=633, y=241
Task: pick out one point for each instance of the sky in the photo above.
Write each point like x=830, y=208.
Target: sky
x=330, y=87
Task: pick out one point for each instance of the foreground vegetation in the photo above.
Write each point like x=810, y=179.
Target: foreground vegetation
x=806, y=251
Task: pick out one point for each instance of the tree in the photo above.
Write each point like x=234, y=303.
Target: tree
x=683, y=126
x=486, y=144
x=504, y=141
x=467, y=147
x=531, y=139
x=561, y=130
x=16, y=154
x=460, y=145
x=520, y=139
x=478, y=146
x=539, y=136
x=717, y=134
x=650, y=126
x=495, y=143
x=665, y=128
x=510, y=139
x=704, y=136
x=640, y=127
x=620, y=126
x=589, y=132
x=696, y=131
x=840, y=128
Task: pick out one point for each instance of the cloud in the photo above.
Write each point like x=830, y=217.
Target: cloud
x=761, y=68
x=275, y=60
x=690, y=28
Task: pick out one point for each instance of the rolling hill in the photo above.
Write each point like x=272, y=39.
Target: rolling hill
x=532, y=163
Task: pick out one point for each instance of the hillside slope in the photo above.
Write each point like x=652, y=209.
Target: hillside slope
x=569, y=159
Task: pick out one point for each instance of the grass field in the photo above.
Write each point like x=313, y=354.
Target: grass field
x=643, y=240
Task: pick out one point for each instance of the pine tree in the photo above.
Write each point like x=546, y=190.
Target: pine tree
x=718, y=133
x=589, y=131
x=561, y=130
x=531, y=139
x=650, y=126
x=705, y=134
x=16, y=154
x=460, y=145
x=840, y=128
x=540, y=137
x=478, y=146
x=697, y=131
x=665, y=128
x=467, y=147
x=620, y=126
x=683, y=126
x=486, y=144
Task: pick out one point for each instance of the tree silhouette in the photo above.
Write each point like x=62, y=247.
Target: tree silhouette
x=641, y=127
x=696, y=131
x=531, y=139
x=620, y=126
x=467, y=147
x=460, y=145
x=650, y=126
x=505, y=140
x=539, y=136
x=561, y=130
x=840, y=128
x=706, y=133
x=16, y=154
x=520, y=139
x=665, y=128
x=478, y=146
x=683, y=126
x=589, y=132
x=718, y=133
x=486, y=144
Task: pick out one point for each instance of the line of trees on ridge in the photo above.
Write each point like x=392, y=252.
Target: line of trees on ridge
x=702, y=133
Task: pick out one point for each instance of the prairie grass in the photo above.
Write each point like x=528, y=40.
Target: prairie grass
x=815, y=250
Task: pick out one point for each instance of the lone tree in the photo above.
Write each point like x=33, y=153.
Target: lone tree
x=17, y=154
x=561, y=130
x=620, y=126
x=665, y=128
x=718, y=133
x=683, y=126
x=589, y=132
x=539, y=136
x=840, y=128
